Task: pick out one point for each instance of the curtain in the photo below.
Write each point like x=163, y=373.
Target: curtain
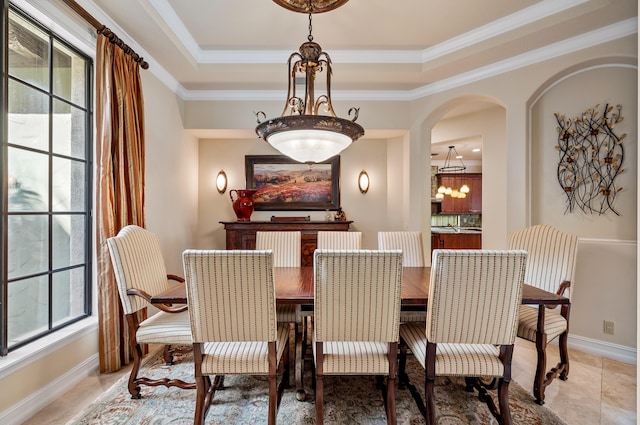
x=120, y=184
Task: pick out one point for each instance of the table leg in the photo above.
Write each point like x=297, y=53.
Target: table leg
x=299, y=361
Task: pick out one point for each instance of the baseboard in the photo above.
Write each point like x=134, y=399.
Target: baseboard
x=25, y=409
x=604, y=349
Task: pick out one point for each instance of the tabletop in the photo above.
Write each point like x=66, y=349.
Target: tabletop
x=294, y=285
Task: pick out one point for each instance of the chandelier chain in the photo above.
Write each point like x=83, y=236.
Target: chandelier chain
x=310, y=36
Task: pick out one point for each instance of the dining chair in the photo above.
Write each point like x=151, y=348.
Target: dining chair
x=550, y=266
x=286, y=250
x=410, y=243
x=471, y=327
x=339, y=240
x=232, y=309
x=357, y=314
x=140, y=273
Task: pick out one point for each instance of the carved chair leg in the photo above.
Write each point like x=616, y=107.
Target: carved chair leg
x=541, y=368
x=168, y=355
x=564, y=355
x=134, y=388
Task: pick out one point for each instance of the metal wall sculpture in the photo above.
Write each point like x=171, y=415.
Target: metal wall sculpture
x=591, y=157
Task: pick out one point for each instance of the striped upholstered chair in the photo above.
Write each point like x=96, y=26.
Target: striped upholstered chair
x=140, y=274
x=550, y=266
x=410, y=243
x=357, y=314
x=339, y=240
x=232, y=307
x=472, y=321
x=286, y=250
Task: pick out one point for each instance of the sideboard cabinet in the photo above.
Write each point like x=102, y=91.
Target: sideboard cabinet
x=242, y=234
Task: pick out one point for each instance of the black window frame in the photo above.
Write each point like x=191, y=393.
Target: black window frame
x=8, y=8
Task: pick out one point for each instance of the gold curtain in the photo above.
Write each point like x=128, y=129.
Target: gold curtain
x=120, y=183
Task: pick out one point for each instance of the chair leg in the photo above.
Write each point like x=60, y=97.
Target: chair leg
x=203, y=388
x=503, y=402
x=391, y=401
x=319, y=381
x=564, y=356
x=402, y=366
x=430, y=405
x=541, y=368
x=133, y=386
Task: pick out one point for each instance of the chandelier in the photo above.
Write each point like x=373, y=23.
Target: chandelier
x=453, y=191
x=301, y=132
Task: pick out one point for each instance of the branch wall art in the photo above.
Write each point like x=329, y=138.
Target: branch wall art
x=590, y=158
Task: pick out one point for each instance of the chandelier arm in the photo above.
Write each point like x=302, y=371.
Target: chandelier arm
x=291, y=82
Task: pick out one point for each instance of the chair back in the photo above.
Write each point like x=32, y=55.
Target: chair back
x=357, y=295
x=552, y=255
x=410, y=243
x=339, y=240
x=285, y=247
x=231, y=295
x=474, y=296
x=138, y=264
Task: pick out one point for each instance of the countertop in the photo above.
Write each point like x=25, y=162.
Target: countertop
x=460, y=230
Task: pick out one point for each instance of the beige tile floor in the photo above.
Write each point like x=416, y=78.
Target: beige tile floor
x=599, y=390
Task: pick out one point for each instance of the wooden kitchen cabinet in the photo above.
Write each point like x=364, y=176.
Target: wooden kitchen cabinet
x=456, y=241
x=472, y=204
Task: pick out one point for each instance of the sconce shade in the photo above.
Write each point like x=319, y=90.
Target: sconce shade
x=221, y=181
x=363, y=182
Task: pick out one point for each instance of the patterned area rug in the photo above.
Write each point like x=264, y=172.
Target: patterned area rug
x=348, y=400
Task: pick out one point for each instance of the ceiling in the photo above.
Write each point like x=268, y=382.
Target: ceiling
x=380, y=50
x=388, y=46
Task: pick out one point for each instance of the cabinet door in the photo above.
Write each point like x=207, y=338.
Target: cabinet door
x=476, y=194
x=458, y=241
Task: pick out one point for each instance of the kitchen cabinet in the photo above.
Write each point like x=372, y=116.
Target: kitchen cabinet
x=472, y=204
x=456, y=240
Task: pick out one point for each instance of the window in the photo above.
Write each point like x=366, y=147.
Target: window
x=46, y=154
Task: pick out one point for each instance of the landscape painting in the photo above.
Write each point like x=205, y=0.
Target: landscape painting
x=284, y=184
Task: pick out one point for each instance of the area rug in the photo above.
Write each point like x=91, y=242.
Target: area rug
x=348, y=400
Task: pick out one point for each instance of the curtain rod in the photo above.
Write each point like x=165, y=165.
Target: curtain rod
x=102, y=29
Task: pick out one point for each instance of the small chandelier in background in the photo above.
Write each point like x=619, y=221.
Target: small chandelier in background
x=454, y=192
x=301, y=133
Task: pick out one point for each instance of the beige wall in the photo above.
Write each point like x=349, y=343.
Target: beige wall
x=510, y=168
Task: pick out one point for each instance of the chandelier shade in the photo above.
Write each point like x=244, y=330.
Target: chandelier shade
x=301, y=132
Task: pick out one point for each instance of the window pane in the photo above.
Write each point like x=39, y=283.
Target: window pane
x=68, y=185
x=68, y=130
x=28, y=308
x=29, y=176
x=68, y=74
x=68, y=295
x=28, y=117
x=28, y=52
x=28, y=245
x=68, y=240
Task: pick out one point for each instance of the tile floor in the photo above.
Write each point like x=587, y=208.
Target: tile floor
x=600, y=391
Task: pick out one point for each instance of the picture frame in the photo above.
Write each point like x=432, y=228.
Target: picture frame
x=283, y=184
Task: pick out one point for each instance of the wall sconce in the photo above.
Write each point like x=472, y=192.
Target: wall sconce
x=221, y=182
x=363, y=182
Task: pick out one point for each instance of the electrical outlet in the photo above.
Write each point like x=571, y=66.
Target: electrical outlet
x=608, y=327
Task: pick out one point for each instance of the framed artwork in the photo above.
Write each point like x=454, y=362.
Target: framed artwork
x=284, y=184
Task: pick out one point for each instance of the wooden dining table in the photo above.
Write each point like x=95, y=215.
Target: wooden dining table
x=294, y=285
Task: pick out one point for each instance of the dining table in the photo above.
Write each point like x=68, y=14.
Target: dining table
x=295, y=285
